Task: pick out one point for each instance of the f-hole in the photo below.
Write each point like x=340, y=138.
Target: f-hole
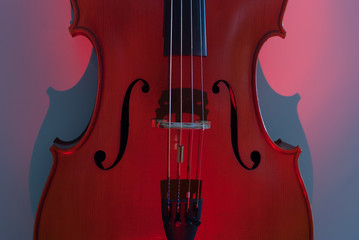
x=255, y=155
x=100, y=156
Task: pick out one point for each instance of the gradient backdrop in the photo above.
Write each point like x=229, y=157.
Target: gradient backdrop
x=42, y=69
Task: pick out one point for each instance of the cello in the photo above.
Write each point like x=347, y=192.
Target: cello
x=176, y=147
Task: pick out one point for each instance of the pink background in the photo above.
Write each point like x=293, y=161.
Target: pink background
x=317, y=60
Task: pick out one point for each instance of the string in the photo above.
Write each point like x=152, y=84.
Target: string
x=169, y=114
x=202, y=132
x=192, y=113
x=192, y=95
x=181, y=61
x=200, y=29
x=199, y=165
x=181, y=114
x=189, y=168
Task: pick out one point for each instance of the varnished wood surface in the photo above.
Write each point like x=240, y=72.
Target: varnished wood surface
x=81, y=201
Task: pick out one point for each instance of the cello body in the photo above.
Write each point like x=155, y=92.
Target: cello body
x=119, y=197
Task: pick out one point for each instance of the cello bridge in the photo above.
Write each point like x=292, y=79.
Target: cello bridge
x=163, y=123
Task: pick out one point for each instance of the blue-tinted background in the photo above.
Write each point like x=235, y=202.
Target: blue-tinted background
x=48, y=85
